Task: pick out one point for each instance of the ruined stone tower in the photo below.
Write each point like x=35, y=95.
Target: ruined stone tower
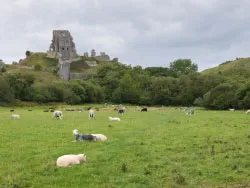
x=63, y=48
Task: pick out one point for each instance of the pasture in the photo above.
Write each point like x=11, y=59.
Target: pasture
x=154, y=149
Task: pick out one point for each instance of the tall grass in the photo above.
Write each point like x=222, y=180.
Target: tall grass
x=159, y=148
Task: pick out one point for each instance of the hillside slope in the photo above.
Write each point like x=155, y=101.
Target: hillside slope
x=237, y=70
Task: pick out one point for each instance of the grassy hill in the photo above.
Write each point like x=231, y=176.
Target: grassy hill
x=237, y=70
x=39, y=59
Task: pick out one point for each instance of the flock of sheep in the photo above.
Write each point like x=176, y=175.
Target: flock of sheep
x=71, y=159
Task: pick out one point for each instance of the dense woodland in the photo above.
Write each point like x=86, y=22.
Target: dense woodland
x=180, y=84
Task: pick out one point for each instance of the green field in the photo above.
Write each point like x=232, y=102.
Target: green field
x=155, y=149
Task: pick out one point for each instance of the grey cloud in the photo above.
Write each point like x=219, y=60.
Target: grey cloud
x=145, y=32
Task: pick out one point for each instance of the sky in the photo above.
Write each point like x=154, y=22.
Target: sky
x=149, y=33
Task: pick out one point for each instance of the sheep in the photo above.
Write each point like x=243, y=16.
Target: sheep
x=70, y=159
x=15, y=116
x=82, y=137
x=144, y=109
x=231, y=109
x=121, y=110
x=114, y=119
x=57, y=114
x=248, y=112
x=91, y=113
x=190, y=112
x=100, y=137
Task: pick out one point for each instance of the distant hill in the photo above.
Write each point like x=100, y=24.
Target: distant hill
x=237, y=70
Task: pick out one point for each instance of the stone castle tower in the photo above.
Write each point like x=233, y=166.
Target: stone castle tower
x=63, y=48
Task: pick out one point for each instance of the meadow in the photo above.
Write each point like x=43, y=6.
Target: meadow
x=154, y=149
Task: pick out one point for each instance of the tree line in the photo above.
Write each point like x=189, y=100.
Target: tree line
x=177, y=85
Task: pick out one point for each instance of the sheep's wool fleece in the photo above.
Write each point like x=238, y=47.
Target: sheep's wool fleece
x=100, y=137
x=69, y=160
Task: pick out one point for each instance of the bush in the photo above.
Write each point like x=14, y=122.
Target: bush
x=38, y=67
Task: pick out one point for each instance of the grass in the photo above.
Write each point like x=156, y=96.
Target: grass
x=159, y=148
x=39, y=58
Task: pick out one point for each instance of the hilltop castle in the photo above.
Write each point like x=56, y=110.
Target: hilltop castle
x=63, y=48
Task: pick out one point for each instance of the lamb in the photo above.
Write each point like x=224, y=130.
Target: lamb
x=100, y=137
x=114, y=119
x=91, y=113
x=71, y=159
x=15, y=116
x=57, y=114
x=82, y=137
x=248, y=112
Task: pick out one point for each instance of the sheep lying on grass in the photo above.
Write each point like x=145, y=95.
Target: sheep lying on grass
x=15, y=116
x=100, y=137
x=71, y=159
x=114, y=119
x=82, y=137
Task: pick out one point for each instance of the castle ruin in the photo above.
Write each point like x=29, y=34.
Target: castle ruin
x=63, y=48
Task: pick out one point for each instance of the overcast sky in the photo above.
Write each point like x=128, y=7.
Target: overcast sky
x=139, y=32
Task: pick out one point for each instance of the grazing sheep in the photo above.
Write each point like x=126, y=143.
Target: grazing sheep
x=15, y=116
x=71, y=159
x=144, y=109
x=114, y=119
x=190, y=112
x=231, y=109
x=82, y=137
x=121, y=110
x=248, y=112
x=57, y=114
x=91, y=113
x=100, y=137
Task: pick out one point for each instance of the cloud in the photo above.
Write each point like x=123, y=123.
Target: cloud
x=144, y=32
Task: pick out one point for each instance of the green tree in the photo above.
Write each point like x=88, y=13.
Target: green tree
x=182, y=66
x=6, y=94
x=221, y=97
x=27, y=53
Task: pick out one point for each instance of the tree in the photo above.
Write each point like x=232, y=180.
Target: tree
x=27, y=53
x=221, y=97
x=182, y=66
x=6, y=94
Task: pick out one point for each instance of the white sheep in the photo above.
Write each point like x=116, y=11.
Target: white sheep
x=15, y=116
x=57, y=114
x=248, y=112
x=71, y=159
x=231, y=109
x=91, y=113
x=100, y=137
x=114, y=119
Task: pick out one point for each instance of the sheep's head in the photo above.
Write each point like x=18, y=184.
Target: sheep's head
x=83, y=157
x=75, y=132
